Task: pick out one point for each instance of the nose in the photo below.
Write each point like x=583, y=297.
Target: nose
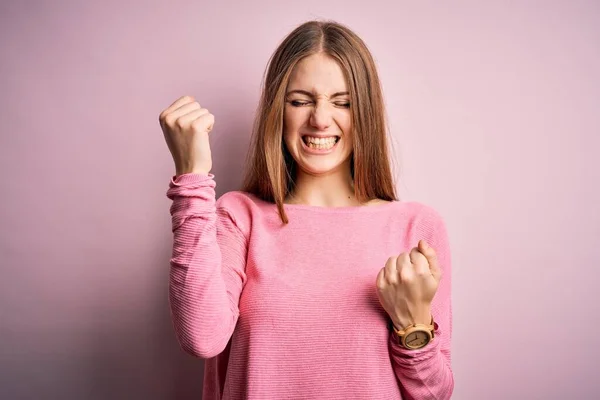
x=321, y=116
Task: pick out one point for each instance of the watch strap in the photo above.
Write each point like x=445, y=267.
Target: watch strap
x=399, y=334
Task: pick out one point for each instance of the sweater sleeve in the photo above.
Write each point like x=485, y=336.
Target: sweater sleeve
x=427, y=373
x=207, y=267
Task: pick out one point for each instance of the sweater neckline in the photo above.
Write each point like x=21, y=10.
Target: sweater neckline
x=343, y=209
x=323, y=209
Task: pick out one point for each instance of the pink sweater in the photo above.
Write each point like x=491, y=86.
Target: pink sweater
x=291, y=312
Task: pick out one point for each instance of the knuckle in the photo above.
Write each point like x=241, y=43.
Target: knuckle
x=180, y=123
x=391, y=262
x=419, y=258
x=421, y=272
x=203, y=121
x=404, y=259
x=406, y=275
x=198, y=122
x=169, y=120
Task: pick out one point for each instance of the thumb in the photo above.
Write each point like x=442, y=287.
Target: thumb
x=430, y=254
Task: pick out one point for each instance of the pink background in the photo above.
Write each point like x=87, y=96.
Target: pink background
x=495, y=110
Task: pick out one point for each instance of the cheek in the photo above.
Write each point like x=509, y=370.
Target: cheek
x=292, y=119
x=344, y=122
x=289, y=132
x=288, y=141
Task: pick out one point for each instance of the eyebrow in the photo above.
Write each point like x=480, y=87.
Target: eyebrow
x=304, y=92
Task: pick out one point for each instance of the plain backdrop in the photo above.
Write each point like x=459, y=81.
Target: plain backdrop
x=494, y=108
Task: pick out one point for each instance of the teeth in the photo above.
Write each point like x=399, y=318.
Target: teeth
x=320, y=140
x=320, y=143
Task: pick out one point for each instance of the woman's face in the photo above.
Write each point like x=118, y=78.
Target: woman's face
x=317, y=122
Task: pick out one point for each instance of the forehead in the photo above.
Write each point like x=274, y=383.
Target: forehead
x=319, y=74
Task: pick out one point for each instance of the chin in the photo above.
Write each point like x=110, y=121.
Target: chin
x=320, y=168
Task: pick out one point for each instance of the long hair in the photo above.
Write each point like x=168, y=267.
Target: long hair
x=271, y=170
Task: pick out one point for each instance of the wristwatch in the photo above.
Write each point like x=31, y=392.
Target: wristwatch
x=414, y=336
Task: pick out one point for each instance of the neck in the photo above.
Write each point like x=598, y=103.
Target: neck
x=332, y=189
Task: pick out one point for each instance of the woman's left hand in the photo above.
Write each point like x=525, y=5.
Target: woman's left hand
x=407, y=284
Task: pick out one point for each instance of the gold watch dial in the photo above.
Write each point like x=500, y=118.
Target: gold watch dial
x=416, y=340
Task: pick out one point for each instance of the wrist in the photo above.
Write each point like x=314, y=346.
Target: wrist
x=413, y=336
x=401, y=322
x=191, y=171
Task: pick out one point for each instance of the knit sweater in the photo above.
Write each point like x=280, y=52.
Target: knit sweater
x=291, y=311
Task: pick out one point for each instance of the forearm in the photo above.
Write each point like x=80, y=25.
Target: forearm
x=204, y=315
x=424, y=373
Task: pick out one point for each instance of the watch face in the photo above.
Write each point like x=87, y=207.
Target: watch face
x=416, y=340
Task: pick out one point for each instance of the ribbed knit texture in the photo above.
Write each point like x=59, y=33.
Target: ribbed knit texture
x=291, y=311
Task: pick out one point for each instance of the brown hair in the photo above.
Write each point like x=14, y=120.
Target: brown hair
x=270, y=171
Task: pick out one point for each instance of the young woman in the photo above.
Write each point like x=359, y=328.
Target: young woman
x=314, y=281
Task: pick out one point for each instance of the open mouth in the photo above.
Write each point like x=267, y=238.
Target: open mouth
x=320, y=143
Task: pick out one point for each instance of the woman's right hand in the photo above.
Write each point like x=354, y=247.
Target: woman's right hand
x=185, y=126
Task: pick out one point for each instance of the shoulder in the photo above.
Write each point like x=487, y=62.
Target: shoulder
x=420, y=211
x=239, y=206
x=234, y=200
x=423, y=217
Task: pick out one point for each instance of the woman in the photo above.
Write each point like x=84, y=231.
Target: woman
x=314, y=281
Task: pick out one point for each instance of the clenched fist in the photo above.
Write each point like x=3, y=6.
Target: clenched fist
x=185, y=126
x=407, y=284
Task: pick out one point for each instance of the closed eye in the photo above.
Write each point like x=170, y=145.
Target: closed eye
x=297, y=103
